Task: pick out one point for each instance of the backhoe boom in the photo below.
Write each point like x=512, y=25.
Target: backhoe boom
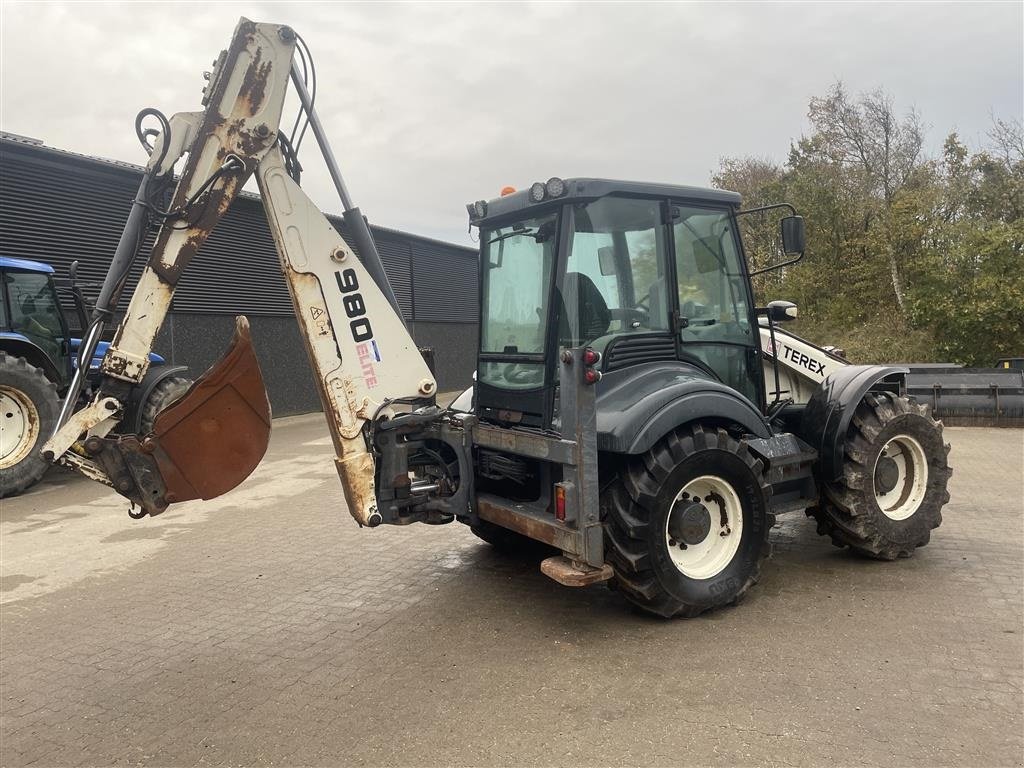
x=361, y=354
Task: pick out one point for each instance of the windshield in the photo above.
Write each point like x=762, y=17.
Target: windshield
x=517, y=262
x=615, y=279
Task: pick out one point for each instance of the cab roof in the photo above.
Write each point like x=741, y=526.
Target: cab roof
x=7, y=262
x=584, y=190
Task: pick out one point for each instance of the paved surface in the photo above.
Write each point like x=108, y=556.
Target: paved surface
x=265, y=628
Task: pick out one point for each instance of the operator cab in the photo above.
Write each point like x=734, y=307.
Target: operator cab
x=30, y=315
x=637, y=272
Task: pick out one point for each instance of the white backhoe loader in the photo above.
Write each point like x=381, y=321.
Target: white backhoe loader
x=634, y=412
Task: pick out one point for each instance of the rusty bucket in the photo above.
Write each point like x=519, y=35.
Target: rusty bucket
x=203, y=444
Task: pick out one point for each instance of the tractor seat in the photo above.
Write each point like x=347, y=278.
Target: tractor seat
x=592, y=317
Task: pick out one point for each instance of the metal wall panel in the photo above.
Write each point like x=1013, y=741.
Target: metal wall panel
x=57, y=207
x=446, y=285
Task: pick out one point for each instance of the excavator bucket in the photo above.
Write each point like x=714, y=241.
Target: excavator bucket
x=203, y=444
x=211, y=439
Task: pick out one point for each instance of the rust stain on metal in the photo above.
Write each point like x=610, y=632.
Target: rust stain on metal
x=356, y=474
x=254, y=84
x=234, y=137
x=571, y=574
x=548, y=532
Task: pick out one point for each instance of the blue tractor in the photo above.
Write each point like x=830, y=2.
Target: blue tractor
x=38, y=357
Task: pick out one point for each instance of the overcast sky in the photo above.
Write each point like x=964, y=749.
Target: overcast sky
x=430, y=106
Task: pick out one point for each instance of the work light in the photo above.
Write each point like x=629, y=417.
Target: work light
x=555, y=187
x=537, y=192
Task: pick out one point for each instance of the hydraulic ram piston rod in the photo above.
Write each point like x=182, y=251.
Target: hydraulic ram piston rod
x=366, y=248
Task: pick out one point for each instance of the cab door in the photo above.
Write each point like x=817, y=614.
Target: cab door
x=36, y=314
x=716, y=326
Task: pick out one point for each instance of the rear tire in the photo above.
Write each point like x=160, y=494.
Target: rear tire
x=894, y=482
x=686, y=524
x=29, y=406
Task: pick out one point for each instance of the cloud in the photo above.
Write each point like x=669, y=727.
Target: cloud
x=430, y=106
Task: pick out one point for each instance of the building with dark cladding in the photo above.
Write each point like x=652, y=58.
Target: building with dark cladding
x=58, y=207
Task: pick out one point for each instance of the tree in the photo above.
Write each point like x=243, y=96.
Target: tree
x=909, y=257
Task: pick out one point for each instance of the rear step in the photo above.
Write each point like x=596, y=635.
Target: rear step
x=572, y=574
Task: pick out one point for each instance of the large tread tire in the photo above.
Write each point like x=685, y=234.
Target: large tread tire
x=511, y=543
x=849, y=512
x=26, y=383
x=636, y=508
x=164, y=394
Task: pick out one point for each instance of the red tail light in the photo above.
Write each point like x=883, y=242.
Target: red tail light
x=560, y=502
x=591, y=376
x=591, y=357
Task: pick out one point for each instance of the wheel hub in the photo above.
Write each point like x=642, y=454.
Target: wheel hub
x=690, y=523
x=704, y=527
x=900, y=477
x=19, y=426
x=887, y=474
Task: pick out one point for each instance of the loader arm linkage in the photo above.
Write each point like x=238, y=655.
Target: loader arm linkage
x=361, y=354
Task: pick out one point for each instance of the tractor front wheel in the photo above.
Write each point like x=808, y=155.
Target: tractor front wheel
x=29, y=406
x=894, y=480
x=686, y=524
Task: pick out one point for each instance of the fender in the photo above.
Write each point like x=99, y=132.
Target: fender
x=828, y=414
x=638, y=405
x=17, y=345
x=142, y=391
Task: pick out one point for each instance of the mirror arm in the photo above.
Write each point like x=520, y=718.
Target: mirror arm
x=772, y=207
x=777, y=266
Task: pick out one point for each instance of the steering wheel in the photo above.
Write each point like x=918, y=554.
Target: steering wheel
x=516, y=375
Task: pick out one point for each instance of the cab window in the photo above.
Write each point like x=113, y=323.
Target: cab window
x=34, y=311
x=714, y=307
x=615, y=279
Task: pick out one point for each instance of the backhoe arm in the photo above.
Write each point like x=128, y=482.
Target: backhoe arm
x=361, y=353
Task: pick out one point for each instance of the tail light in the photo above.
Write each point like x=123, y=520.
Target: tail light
x=591, y=357
x=560, y=502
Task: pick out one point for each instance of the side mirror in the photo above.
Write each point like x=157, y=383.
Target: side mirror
x=781, y=311
x=794, y=237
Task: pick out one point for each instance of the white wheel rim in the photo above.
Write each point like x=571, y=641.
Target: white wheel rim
x=708, y=557
x=903, y=499
x=19, y=426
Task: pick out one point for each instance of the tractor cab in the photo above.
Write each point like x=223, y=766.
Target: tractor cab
x=31, y=320
x=635, y=272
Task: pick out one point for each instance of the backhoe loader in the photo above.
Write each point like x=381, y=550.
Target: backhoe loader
x=633, y=409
